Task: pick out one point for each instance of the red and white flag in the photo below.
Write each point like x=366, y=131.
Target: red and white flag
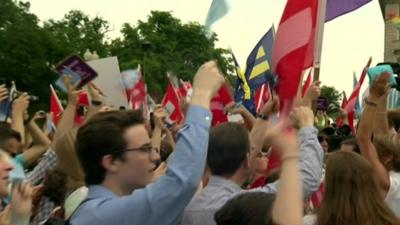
x=55, y=105
x=81, y=106
x=261, y=96
x=171, y=103
x=351, y=103
x=185, y=88
x=218, y=103
x=137, y=95
x=350, y=106
x=293, y=49
x=307, y=84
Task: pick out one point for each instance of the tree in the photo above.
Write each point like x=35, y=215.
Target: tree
x=76, y=33
x=24, y=50
x=334, y=98
x=163, y=44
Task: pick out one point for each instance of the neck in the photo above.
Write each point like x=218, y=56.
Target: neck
x=115, y=187
x=239, y=177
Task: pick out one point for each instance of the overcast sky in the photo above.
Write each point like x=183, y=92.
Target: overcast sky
x=348, y=40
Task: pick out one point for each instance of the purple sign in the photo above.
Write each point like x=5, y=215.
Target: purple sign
x=75, y=65
x=322, y=103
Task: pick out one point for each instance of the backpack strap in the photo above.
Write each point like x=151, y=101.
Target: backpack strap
x=67, y=222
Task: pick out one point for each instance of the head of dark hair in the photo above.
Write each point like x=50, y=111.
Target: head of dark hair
x=6, y=133
x=165, y=150
x=55, y=186
x=247, y=209
x=228, y=145
x=103, y=135
x=351, y=141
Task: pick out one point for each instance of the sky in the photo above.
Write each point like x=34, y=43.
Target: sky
x=348, y=40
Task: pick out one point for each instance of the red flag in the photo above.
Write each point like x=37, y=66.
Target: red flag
x=171, y=103
x=261, y=96
x=218, y=102
x=83, y=102
x=137, y=94
x=55, y=106
x=293, y=49
x=184, y=88
x=307, y=84
x=351, y=104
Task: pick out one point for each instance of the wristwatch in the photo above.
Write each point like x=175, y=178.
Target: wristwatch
x=263, y=117
x=370, y=103
x=96, y=103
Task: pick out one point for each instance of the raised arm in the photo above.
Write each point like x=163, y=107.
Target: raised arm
x=288, y=206
x=19, y=107
x=159, y=116
x=169, y=195
x=381, y=123
x=67, y=120
x=311, y=153
x=40, y=144
x=379, y=89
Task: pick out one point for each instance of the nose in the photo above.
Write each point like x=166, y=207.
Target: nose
x=155, y=156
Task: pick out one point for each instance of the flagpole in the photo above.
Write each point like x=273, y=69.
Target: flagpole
x=319, y=37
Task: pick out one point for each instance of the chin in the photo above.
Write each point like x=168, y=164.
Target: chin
x=3, y=192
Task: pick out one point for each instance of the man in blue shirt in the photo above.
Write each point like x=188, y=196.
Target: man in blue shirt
x=117, y=157
x=231, y=155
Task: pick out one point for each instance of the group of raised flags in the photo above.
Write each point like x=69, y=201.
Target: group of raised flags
x=281, y=56
x=286, y=54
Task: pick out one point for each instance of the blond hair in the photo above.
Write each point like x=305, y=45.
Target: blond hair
x=389, y=144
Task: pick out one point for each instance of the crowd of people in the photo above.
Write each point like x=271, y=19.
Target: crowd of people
x=121, y=167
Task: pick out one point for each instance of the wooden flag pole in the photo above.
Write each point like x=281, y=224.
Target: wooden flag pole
x=321, y=15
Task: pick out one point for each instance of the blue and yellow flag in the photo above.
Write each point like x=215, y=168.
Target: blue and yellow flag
x=258, y=70
x=243, y=94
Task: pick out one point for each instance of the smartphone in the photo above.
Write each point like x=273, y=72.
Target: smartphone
x=378, y=70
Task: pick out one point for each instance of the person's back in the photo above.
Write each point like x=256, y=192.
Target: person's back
x=232, y=163
x=228, y=156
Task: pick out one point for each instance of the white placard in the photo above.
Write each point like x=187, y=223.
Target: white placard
x=109, y=81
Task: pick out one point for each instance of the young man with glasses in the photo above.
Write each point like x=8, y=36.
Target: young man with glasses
x=117, y=157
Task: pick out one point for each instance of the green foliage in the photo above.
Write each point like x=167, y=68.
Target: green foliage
x=24, y=49
x=161, y=44
x=76, y=33
x=334, y=98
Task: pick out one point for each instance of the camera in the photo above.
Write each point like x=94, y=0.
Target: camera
x=32, y=98
x=16, y=94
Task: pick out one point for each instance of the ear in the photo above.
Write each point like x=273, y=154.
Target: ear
x=109, y=163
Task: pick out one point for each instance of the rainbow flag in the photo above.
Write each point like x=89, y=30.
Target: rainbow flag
x=396, y=21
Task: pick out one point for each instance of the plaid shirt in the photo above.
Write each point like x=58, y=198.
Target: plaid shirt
x=37, y=176
x=45, y=208
x=46, y=164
